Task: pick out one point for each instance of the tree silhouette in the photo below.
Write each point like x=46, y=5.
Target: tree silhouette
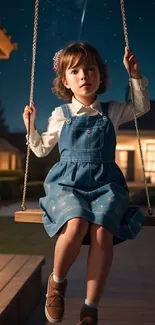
x=4, y=130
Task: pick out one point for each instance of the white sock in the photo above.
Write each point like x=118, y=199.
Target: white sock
x=93, y=304
x=57, y=279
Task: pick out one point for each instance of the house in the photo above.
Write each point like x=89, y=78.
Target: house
x=10, y=156
x=128, y=153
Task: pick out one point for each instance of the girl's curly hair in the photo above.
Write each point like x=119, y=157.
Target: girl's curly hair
x=78, y=53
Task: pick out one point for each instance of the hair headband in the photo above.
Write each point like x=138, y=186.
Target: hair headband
x=56, y=61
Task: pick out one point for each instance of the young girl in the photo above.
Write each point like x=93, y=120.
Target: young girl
x=87, y=199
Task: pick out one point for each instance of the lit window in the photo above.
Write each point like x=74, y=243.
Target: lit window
x=150, y=162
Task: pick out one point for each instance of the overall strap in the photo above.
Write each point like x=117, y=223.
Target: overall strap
x=66, y=111
x=105, y=107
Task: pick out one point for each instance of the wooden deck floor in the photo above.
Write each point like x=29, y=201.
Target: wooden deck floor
x=129, y=296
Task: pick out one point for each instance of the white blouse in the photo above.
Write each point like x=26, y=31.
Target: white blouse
x=119, y=113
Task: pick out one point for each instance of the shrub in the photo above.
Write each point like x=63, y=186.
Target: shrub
x=12, y=173
x=9, y=188
x=34, y=190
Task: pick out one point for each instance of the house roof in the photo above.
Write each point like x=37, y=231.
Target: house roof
x=7, y=147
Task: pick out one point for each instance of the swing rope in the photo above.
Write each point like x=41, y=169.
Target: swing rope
x=34, y=46
x=133, y=109
x=35, y=31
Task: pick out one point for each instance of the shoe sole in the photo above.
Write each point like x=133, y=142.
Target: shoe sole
x=51, y=320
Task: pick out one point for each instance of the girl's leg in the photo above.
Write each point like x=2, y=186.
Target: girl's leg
x=98, y=266
x=66, y=250
x=68, y=245
x=99, y=261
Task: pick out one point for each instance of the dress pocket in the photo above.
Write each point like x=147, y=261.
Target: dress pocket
x=87, y=139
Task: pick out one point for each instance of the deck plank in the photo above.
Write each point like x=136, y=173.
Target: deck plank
x=5, y=259
x=19, y=280
x=11, y=268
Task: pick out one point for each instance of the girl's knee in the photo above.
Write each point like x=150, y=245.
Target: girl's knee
x=101, y=236
x=77, y=227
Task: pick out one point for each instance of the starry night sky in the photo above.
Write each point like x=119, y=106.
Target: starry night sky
x=59, y=24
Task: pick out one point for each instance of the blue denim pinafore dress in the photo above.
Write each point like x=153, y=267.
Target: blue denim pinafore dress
x=86, y=182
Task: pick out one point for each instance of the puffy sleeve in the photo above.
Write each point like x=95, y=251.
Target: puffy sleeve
x=41, y=145
x=122, y=112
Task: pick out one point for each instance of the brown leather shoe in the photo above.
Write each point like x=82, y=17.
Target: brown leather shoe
x=88, y=316
x=54, y=307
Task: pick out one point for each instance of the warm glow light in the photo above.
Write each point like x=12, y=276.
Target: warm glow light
x=150, y=160
x=13, y=162
x=8, y=161
x=4, y=161
x=6, y=47
x=122, y=160
x=124, y=147
x=150, y=141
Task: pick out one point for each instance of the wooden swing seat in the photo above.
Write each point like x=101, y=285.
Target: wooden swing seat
x=29, y=215
x=36, y=215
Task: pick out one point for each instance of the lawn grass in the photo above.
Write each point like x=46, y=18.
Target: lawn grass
x=24, y=238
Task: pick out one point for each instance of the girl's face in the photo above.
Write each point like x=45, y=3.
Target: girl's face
x=83, y=80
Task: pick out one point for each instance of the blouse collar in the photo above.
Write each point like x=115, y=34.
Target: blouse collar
x=77, y=106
